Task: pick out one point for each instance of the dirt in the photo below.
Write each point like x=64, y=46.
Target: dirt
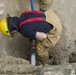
x=12, y=65
x=19, y=46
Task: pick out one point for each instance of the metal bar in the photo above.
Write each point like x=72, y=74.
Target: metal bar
x=33, y=54
x=33, y=59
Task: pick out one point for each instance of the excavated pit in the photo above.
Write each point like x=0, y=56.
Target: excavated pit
x=13, y=51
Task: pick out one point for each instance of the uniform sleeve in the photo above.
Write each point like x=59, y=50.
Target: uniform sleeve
x=32, y=35
x=28, y=33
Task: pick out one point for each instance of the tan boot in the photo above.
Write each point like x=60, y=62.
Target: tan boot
x=45, y=4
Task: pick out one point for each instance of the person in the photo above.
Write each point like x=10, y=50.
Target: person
x=38, y=25
x=30, y=24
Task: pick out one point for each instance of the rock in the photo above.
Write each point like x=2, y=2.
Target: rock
x=72, y=57
x=68, y=69
x=13, y=65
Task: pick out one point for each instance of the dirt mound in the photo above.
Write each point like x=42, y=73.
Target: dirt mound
x=17, y=66
x=18, y=46
x=12, y=65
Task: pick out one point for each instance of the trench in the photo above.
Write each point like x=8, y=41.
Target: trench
x=17, y=60
x=15, y=52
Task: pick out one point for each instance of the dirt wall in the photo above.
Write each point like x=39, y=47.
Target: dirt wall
x=19, y=46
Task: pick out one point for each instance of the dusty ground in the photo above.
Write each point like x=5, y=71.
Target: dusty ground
x=19, y=46
x=13, y=65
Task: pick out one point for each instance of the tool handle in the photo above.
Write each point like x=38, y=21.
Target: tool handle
x=33, y=50
x=32, y=8
x=32, y=5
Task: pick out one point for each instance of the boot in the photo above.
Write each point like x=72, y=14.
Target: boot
x=45, y=4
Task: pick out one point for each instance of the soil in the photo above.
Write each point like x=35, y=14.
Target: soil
x=18, y=47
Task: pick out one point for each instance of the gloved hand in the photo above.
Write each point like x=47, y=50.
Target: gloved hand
x=41, y=36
